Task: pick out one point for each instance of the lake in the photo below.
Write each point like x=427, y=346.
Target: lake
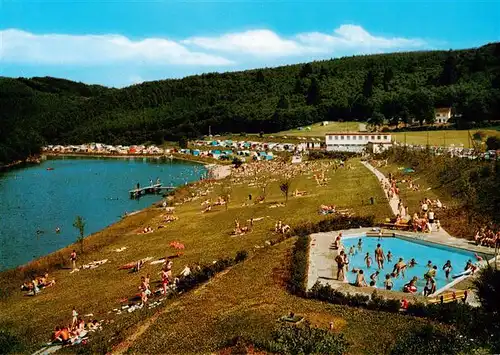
x=36, y=199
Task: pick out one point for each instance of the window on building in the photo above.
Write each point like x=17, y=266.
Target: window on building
x=373, y=137
x=342, y=137
x=378, y=137
x=348, y=137
x=330, y=138
x=385, y=137
x=366, y=138
x=360, y=137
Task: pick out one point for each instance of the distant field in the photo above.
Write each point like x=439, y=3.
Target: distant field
x=317, y=130
x=433, y=138
x=442, y=138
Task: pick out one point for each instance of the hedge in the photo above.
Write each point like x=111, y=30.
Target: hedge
x=208, y=271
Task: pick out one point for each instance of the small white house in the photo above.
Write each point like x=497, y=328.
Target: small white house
x=443, y=114
x=357, y=142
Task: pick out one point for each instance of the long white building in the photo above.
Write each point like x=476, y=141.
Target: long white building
x=357, y=142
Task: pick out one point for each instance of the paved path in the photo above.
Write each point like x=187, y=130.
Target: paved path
x=393, y=202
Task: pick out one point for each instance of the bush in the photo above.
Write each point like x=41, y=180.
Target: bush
x=304, y=339
x=9, y=342
x=431, y=340
x=208, y=271
x=240, y=256
x=332, y=224
x=319, y=155
x=298, y=274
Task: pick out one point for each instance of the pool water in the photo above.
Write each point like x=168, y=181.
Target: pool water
x=401, y=248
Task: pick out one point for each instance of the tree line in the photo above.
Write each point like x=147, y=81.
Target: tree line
x=399, y=87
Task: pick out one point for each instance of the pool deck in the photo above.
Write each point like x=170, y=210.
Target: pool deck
x=323, y=268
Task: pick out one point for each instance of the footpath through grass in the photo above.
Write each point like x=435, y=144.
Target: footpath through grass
x=206, y=237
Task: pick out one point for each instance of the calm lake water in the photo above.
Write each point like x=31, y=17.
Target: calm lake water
x=36, y=199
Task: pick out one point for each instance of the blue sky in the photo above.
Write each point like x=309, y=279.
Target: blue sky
x=118, y=43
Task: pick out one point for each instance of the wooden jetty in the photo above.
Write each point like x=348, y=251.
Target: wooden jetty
x=148, y=190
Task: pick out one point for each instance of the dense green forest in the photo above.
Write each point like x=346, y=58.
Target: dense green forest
x=396, y=87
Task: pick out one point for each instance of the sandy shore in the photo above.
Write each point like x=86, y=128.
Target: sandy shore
x=219, y=171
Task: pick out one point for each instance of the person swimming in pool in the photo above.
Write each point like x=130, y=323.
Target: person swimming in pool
x=374, y=276
x=352, y=250
x=389, y=256
x=368, y=260
x=412, y=262
x=429, y=264
x=447, y=269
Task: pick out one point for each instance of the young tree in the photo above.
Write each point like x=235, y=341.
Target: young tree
x=79, y=224
x=314, y=93
x=368, y=84
x=449, y=75
x=285, y=188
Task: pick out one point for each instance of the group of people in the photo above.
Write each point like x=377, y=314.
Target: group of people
x=281, y=228
x=75, y=331
x=33, y=287
x=487, y=237
x=239, y=229
x=399, y=268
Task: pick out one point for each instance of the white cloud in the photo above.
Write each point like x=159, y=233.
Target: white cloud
x=256, y=42
x=350, y=39
x=55, y=49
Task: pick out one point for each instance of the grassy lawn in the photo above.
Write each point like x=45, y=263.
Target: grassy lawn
x=318, y=130
x=442, y=138
x=205, y=236
x=213, y=315
x=433, y=138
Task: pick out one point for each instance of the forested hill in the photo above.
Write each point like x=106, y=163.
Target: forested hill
x=395, y=86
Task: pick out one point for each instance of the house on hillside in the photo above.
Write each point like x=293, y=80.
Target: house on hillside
x=442, y=114
x=357, y=142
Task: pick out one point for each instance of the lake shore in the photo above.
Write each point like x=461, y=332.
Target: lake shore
x=214, y=172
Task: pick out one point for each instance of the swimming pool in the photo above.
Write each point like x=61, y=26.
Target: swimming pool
x=402, y=248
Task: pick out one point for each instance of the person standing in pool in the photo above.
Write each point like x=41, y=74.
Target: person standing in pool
x=429, y=264
x=360, y=244
x=368, y=260
x=379, y=256
x=400, y=267
x=352, y=250
x=447, y=269
x=388, y=283
x=389, y=257
x=412, y=262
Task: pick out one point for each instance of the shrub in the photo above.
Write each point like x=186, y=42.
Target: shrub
x=319, y=155
x=332, y=224
x=240, y=256
x=298, y=274
x=304, y=339
x=9, y=342
x=431, y=340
